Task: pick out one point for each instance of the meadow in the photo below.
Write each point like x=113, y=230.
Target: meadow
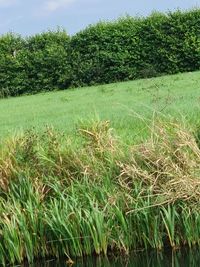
x=120, y=103
x=116, y=170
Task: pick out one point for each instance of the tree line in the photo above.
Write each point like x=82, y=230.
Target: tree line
x=126, y=49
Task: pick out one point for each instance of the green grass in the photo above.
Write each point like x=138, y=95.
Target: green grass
x=120, y=103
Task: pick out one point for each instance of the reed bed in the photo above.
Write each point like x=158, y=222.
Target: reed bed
x=98, y=195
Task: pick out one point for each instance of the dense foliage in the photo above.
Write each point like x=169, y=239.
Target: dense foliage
x=125, y=49
x=136, y=48
x=45, y=61
x=11, y=70
x=34, y=64
x=98, y=196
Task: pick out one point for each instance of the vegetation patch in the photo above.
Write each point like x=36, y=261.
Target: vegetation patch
x=98, y=195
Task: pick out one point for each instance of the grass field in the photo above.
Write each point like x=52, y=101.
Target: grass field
x=120, y=103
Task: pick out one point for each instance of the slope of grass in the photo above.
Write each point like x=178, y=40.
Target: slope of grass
x=120, y=103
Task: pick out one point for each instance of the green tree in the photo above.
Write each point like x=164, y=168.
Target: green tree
x=11, y=70
x=45, y=60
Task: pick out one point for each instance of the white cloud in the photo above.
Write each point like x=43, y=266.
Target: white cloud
x=53, y=5
x=7, y=3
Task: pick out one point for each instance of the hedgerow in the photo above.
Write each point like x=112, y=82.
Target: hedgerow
x=125, y=49
x=131, y=48
x=33, y=64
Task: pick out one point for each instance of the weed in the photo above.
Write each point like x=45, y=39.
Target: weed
x=59, y=199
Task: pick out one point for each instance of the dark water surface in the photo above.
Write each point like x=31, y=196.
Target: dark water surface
x=179, y=258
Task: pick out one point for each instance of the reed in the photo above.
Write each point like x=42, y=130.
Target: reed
x=98, y=195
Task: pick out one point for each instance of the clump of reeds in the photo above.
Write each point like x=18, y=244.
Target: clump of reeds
x=168, y=164
x=66, y=198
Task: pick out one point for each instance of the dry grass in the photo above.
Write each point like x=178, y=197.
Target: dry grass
x=168, y=164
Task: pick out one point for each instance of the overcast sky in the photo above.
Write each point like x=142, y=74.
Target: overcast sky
x=33, y=16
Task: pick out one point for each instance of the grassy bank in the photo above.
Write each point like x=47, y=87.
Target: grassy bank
x=176, y=95
x=65, y=198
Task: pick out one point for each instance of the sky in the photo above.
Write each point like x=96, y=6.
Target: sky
x=28, y=17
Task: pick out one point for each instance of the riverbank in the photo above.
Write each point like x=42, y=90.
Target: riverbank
x=98, y=195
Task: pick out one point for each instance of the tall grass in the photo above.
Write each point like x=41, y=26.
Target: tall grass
x=98, y=195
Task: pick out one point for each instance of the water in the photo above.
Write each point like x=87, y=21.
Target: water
x=186, y=258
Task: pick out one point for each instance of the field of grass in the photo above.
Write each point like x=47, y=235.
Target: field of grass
x=60, y=198
x=177, y=95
